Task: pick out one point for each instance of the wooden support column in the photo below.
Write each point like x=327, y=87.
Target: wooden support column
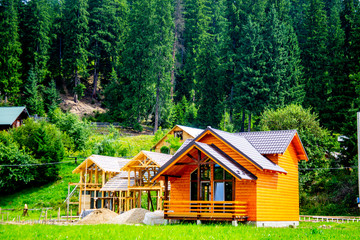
x=166, y=197
x=198, y=176
x=128, y=193
x=96, y=175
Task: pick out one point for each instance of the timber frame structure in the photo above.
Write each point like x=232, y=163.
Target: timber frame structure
x=95, y=172
x=143, y=167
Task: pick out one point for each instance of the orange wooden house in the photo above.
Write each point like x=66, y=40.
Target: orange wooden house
x=250, y=176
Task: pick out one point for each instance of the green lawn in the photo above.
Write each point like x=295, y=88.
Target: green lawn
x=304, y=231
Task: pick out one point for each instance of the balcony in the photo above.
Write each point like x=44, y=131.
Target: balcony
x=206, y=210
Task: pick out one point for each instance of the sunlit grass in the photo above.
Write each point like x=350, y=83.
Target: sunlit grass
x=184, y=231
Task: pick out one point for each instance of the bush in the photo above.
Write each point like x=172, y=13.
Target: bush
x=79, y=131
x=44, y=142
x=13, y=178
x=165, y=149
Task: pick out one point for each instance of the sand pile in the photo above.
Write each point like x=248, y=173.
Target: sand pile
x=133, y=216
x=98, y=216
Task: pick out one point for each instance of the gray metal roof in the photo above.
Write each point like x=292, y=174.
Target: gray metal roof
x=269, y=142
x=230, y=166
x=194, y=132
x=119, y=182
x=159, y=158
x=8, y=115
x=241, y=144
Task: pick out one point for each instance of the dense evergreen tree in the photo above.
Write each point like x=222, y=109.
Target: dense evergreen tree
x=76, y=39
x=10, y=50
x=107, y=21
x=162, y=54
x=315, y=57
x=36, y=37
x=33, y=99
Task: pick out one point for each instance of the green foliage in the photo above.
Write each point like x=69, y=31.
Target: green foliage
x=159, y=134
x=13, y=178
x=33, y=99
x=174, y=142
x=51, y=97
x=79, y=90
x=10, y=50
x=165, y=149
x=76, y=129
x=44, y=142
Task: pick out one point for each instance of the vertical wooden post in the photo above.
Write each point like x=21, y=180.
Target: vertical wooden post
x=166, y=197
x=127, y=199
x=198, y=177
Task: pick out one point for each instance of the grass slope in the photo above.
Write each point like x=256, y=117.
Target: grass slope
x=304, y=231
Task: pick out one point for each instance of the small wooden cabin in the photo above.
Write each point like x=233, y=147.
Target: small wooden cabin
x=143, y=167
x=251, y=176
x=101, y=183
x=12, y=117
x=182, y=132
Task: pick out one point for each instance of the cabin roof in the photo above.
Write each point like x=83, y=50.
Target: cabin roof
x=194, y=132
x=269, y=142
x=243, y=146
x=8, y=115
x=105, y=163
x=119, y=182
x=158, y=158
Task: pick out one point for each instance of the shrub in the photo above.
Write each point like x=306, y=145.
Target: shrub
x=44, y=142
x=13, y=178
x=79, y=131
x=165, y=149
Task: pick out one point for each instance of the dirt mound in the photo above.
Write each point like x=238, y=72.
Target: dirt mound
x=85, y=106
x=133, y=216
x=98, y=216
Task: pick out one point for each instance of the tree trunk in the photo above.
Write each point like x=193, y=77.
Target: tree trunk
x=249, y=125
x=6, y=98
x=242, y=129
x=76, y=83
x=95, y=81
x=157, y=105
x=173, y=67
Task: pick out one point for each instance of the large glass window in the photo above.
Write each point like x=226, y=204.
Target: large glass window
x=223, y=184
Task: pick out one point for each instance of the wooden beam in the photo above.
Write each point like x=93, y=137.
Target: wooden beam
x=174, y=176
x=189, y=155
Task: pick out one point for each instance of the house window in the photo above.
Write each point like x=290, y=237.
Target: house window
x=205, y=186
x=223, y=184
x=178, y=134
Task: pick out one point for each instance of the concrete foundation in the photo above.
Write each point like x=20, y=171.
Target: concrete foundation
x=274, y=223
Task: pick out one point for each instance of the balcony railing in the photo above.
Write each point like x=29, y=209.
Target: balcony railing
x=205, y=210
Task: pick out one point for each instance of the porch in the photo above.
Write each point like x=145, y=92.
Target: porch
x=206, y=210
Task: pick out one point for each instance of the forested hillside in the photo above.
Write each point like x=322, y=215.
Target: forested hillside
x=229, y=64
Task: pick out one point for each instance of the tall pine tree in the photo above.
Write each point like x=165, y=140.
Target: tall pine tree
x=10, y=50
x=76, y=40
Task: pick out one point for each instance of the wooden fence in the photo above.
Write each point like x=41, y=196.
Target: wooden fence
x=343, y=219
